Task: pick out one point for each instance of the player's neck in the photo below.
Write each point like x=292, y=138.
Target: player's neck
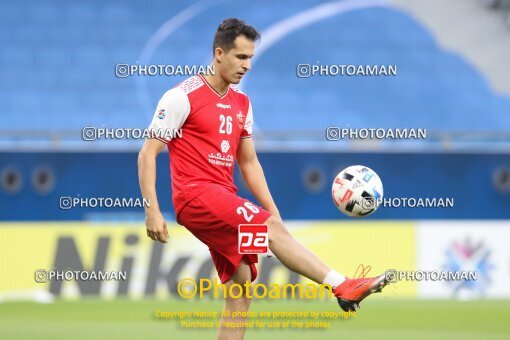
x=217, y=84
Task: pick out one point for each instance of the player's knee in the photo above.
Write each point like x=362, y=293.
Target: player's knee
x=239, y=302
x=246, y=301
x=238, y=299
x=277, y=229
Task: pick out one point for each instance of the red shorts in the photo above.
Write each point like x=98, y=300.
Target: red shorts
x=213, y=218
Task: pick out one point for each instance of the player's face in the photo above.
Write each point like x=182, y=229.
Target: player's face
x=234, y=64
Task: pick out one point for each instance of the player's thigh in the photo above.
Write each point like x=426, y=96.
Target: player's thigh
x=277, y=230
x=214, y=218
x=221, y=212
x=242, y=274
x=241, y=301
x=236, y=210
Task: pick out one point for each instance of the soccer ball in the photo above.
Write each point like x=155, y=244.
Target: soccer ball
x=356, y=191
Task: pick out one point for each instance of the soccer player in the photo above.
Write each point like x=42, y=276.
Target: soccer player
x=216, y=121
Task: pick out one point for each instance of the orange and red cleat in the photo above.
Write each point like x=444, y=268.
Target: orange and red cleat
x=352, y=291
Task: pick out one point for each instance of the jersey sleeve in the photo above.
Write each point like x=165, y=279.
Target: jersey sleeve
x=248, y=124
x=172, y=111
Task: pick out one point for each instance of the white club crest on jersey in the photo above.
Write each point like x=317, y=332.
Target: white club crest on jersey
x=240, y=118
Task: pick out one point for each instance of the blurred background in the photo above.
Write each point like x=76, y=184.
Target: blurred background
x=57, y=67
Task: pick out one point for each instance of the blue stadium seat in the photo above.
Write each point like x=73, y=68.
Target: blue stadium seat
x=66, y=55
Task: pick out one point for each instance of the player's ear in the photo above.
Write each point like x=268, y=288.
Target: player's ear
x=218, y=54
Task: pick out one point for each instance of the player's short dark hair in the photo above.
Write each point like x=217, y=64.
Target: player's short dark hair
x=229, y=30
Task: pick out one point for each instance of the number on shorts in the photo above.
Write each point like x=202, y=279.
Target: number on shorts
x=242, y=211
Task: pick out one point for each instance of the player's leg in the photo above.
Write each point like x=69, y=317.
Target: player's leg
x=242, y=304
x=301, y=260
x=293, y=254
x=213, y=217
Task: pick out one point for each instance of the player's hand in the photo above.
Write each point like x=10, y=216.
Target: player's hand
x=156, y=227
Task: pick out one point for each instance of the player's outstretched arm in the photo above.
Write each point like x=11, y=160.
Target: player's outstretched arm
x=253, y=175
x=154, y=221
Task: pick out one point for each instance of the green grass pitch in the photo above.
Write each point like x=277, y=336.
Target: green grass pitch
x=378, y=319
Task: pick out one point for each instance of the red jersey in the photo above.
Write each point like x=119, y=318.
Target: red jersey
x=204, y=152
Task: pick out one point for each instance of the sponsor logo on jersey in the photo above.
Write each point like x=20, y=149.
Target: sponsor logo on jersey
x=223, y=106
x=225, y=145
x=221, y=160
x=161, y=114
